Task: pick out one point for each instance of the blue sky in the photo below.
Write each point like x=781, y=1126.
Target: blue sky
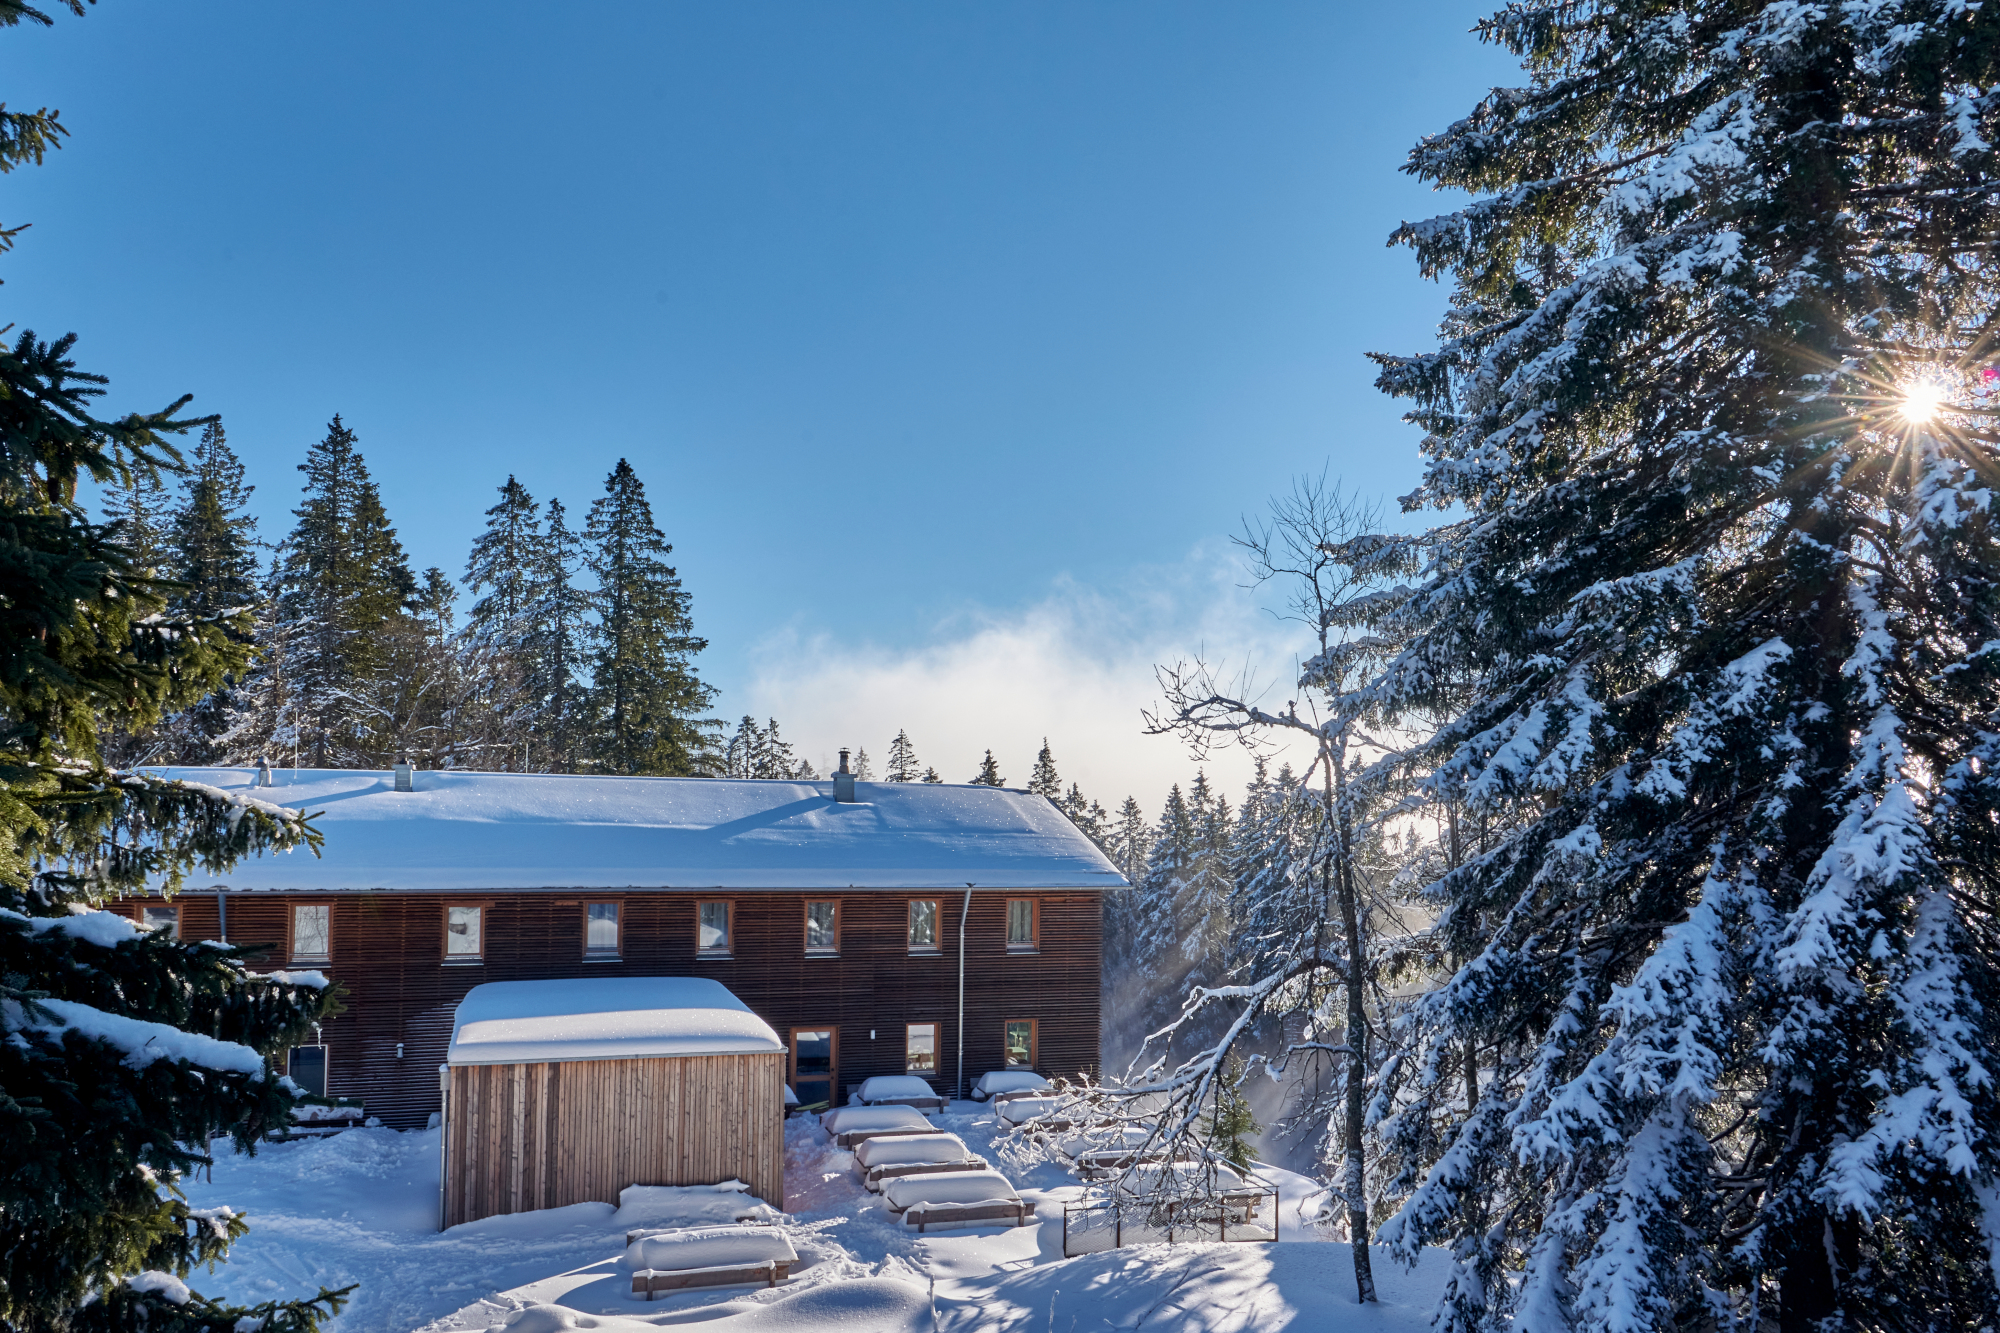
x=940, y=333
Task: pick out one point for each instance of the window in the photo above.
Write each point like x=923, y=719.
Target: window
x=600, y=930
x=165, y=917
x=712, y=935
x=1020, y=1042
x=924, y=926
x=312, y=933
x=823, y=927
x=920, y=1047
x=464, y=937
x=1021, y=937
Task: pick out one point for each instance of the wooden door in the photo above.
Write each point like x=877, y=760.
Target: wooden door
x=814, y=1066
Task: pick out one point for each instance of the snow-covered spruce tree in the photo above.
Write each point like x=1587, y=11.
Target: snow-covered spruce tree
x=501, y=707
x=774, y=758
x=344, y=591
x=204, y=543
x=863, y=770
x=212, y=533
x=988, y=774
x=739, y=753
x=646, y=702
x=211, y=556
x=1229, y=1125
x=1144, y=967
x=444, y=697
x=138, y=511
x=1043, y=780
x=1710, y=393
x=553, y=648
x=120, y=1050
x=502, y=565
x=1091, y=819
x=1128, y=841
x=902, y=759
x=931, y=775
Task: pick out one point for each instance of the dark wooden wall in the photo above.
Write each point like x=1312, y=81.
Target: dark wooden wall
x=387, y=951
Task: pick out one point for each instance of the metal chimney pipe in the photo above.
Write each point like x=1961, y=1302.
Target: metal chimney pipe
x=405, y=779
x=843, y=782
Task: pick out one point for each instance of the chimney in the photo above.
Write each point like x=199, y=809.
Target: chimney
x=843, y=782
x=405, y=781
x=263, y=770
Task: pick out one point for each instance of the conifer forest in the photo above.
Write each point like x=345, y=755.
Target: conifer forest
x=1607, y=933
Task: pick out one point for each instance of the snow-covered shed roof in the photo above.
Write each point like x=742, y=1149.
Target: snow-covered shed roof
x=604, y=1018
x=494, y=831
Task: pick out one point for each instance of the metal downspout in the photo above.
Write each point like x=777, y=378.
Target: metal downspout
x=958, y=1091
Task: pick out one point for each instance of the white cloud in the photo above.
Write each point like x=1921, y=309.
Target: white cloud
x=1076, y=667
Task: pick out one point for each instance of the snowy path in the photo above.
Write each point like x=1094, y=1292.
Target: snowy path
x=362, y=1207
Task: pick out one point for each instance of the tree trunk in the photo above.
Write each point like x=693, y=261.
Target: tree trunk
x=1808, y=1292
x=1354, y=1178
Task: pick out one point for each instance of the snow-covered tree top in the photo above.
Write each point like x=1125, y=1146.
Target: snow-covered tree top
x=498, y=831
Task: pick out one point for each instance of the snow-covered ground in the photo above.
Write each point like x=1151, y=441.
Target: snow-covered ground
x=361, y=1207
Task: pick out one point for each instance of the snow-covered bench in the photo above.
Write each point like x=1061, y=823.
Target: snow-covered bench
x=315, y=1121
x=1099, y=1153
x=849, y=1125
x=708, y=1257
x=957, y=1199
x=1017, y=1112
x=882, y=1159
x=898, y=1090
x=1196, y=1182
x=1003, y=1084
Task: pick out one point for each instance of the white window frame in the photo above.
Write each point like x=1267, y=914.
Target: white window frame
x=936, y=944
x=476, y=954
x=822, y=950
x=294, y=953
x=617, y=947
x=727, y=949
x=1033, y=943
x=909, y=1064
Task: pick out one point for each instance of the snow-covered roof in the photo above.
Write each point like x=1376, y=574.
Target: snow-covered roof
x=603, y=1018
x=487, y=831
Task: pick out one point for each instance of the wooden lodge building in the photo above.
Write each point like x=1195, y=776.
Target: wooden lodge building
x=859, y=920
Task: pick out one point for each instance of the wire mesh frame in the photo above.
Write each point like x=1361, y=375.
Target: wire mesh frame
x=1078, y=1219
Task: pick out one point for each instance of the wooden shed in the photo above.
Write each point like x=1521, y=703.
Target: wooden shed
x=566, y=1091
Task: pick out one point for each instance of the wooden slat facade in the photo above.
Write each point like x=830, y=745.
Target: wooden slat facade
x=387, y=954
x=527, y=1136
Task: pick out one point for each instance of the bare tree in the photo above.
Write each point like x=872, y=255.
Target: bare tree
x=1319, y=549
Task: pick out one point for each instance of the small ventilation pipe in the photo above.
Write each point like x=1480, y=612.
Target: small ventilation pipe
x=405, y=775
x=843, y=782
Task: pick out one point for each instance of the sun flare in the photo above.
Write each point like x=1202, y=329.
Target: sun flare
x=1920, y=401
